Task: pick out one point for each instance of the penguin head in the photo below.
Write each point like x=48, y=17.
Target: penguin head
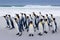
x=43, y=16
x=27, y=17
x=25, y=14
x=34, y=14
x=52, y=15
x=41, y=20
x=37, y=16
x=17, y=15
x=30, y=15
x=54, y=19
x=15, y=18
x=4, y=16
x=21, y=13
x=47, y=15
x=45, y=20
x=40, y=13
x=9, y=15
x=31, y=24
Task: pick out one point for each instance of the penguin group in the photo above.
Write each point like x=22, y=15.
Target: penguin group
x=31, y=23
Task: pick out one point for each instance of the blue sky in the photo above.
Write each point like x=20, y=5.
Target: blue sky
x=29, y=2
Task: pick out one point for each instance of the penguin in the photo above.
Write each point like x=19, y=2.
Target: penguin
x=16, y=25
x=4, y=17
x=43, y=21
x=20, y=25
x=8, y=21
x=46, y=27
x=27, y=22
x=34, y=21
x=54, y=26
x=22, y=21
x=30, y=17
x=48, y=19
x=37, y=20
x=40, y=15
x=40, y=26
x=31, y=29
x=34, y=18
x=11, y=19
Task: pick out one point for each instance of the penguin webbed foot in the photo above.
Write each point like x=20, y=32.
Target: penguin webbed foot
x=31, y=35
x=17, y=34
x=45, y=32
x=20, y=34
x=40, y=34
x=53, y=31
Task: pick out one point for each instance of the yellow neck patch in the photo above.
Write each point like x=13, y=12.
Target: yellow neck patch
x=31, y=25
x=40, y=23
x=46, y=22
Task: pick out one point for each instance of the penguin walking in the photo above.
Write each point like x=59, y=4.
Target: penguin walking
x=54, y=26
x=20, y=26
x=40, y=26
x=31, y=29
x=16, y=25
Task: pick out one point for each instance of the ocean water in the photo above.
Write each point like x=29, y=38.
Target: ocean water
x=28, y=9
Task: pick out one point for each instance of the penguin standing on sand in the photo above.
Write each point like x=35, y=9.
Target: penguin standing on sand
x=11, y=19
x=27, y=22
x=20, y=25
x=49, y=20
x=31, y=29
x=22, y=21
x=16, y=25
x=16, y=21
x=40, y=26
x=54, y=26
x=8, y=21
x=37, y=20
x=34, y=19
x=46, y=27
